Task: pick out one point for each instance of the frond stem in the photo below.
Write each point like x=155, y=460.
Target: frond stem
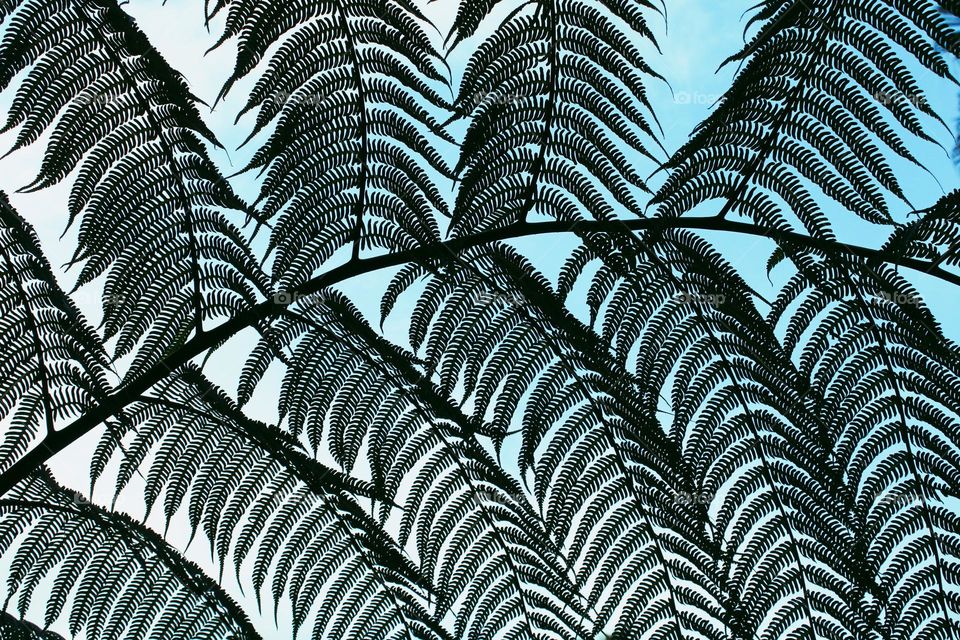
x=132, y=390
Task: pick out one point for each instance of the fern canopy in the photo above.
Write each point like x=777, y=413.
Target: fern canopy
x=631, y=439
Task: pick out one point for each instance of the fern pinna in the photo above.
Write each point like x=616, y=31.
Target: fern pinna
x=625, y=433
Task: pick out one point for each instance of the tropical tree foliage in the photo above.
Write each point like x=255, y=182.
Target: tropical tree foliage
x=641, y=446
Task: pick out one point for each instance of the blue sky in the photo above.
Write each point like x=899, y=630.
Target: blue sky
x=698, y=35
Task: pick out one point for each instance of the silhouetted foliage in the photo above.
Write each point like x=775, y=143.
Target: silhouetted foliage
x=630, y=450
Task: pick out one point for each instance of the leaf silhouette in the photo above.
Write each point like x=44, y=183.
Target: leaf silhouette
x=605, y=477
x=255, y=496
x=352, y=89
x=53, y=363
x=885, y=378
x=490, y=558
x=152, y=205
x=556, y=103
x=120, y=579
x=13, y=629
x=810, y=111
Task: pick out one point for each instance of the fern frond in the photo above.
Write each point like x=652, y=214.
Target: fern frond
x=353, y=90
x=886, y=382
x=256, y=496
x=152, y=205
x=12, y=628
x=609, y=483
x=52, y=365
x=121, y=580
x=687, y=322
x=811, y=111
x=556, y=103
x=492, y=563
x=934, y=235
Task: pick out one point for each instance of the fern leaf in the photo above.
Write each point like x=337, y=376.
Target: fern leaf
x=121, y=580
x=608, y=482
x=687, y=321
x=53, y=365
x=12, y=628
x=492, y=563
x=811, y=109
x=152, y=205
x=886, y=382
x=556, y=102
x=256, y=497
x=352, y=88
x=932, y=236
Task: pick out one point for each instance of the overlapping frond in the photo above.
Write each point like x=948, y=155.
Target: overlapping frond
x=353, y=89
x=52, y=364
x=557, y=107
x=934, y=235
x=108, y=577
x=686, y=322
x=256, y=496
x=152, y=205
x=477, y=537
x=12, y=628
x=610, y=485
x=887, y=384
x=821, y=105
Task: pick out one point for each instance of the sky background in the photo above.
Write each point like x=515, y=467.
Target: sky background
x=697, y=35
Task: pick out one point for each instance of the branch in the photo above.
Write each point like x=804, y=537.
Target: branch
x=130, y=392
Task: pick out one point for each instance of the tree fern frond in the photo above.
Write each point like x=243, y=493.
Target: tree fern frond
x=609, y=483
x=688, y=323
x=121, y=580
x=12, y=628
x=556, y=103
x=934, y=235
x=255, y=495
x=886, y=382
x=52, y=365
x=353, y=89
x=492, y=563
x=152, y=205
x=811, y=110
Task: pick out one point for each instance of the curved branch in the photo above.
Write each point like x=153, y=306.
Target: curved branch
x=128, y=393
